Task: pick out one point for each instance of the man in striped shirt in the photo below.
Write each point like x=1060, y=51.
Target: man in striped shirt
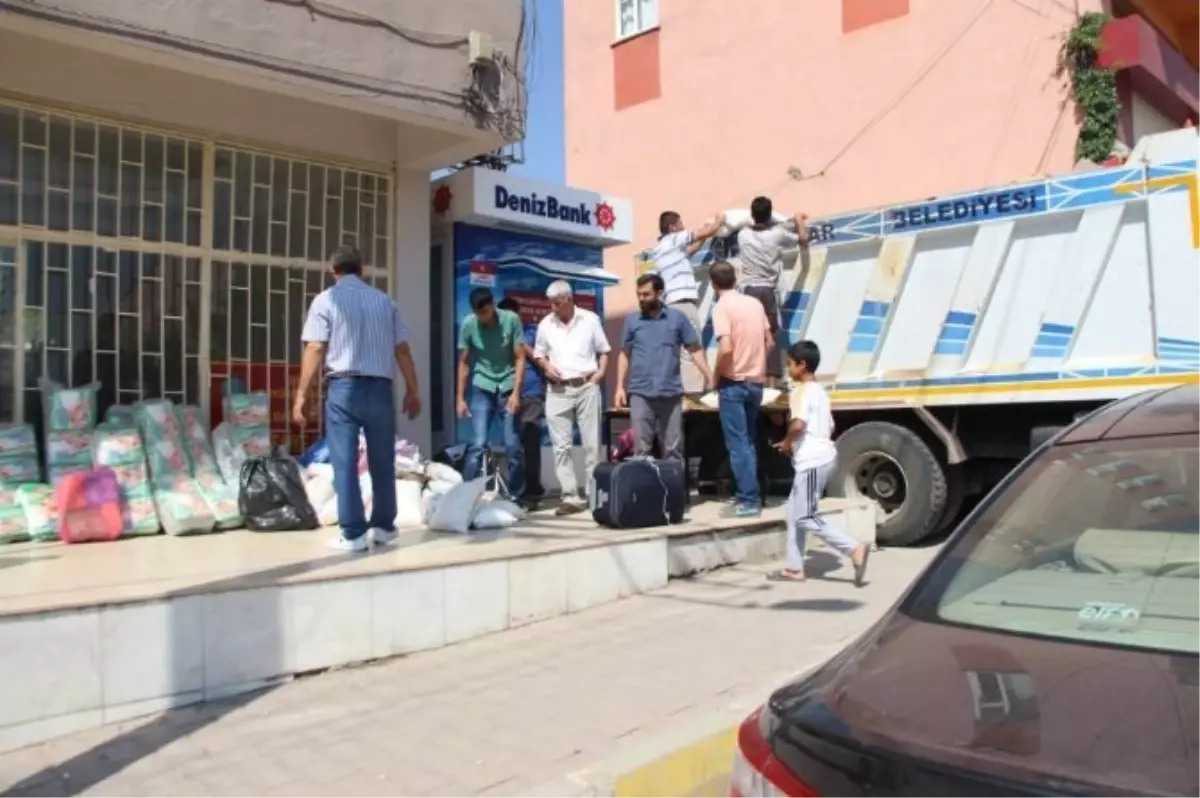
x=672, y=261
x=354, y=335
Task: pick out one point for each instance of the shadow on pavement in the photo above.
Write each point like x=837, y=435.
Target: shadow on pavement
x=817, y=605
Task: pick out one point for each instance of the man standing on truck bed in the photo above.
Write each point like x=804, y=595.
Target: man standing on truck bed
x=760, y=250
x=672, y=260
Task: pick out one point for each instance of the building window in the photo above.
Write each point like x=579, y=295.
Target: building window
x=100, y=234
x=634, y=17
x=109, y=271
x=276, y=220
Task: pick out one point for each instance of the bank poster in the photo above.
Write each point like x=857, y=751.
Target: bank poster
x=521, y=266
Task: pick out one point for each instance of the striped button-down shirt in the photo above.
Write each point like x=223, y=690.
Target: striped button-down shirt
x=360, y=326
x=672, y=263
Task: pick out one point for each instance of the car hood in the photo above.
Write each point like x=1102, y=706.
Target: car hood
x=1016, y=709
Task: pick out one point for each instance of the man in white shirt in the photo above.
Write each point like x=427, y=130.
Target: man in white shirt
x=572, y=352
x=810, y=443
x=672, y=260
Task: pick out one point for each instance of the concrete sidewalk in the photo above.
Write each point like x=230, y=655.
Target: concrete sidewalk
x=522, y=711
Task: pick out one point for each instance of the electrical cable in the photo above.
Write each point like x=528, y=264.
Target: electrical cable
x=111, y=27
x=324, y=8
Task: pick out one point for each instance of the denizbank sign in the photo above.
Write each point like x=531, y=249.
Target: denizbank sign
x=549, y=206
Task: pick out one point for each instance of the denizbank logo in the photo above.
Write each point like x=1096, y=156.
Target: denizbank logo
x=549, y=207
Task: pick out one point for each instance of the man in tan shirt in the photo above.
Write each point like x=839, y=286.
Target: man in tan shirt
x=743, y=335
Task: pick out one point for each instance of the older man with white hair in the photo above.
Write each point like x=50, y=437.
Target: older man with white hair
x=572, y=351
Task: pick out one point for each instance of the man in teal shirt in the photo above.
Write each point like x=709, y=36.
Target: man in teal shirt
x=491, y=361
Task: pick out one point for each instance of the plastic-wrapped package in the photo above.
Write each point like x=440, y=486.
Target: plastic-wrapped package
x=328, y=514
x=156, y=419
x=17, y=439
x=429, y=503
x=255, y=439
x=456, y=509
x=121, y=450
x=68, y=408
x=319, y=488
x=120, y=416
x=56, y=474
x=12, y=517
x=247, y=409
x=222, y=499
x=40, y=507
x=89, y=506
x=139, y=515
x=408, y=503
x=112, y=446
x=17, y=469
x=181, y=507
x=70, y=448
x=195, y=436
x=440, y=472
x=497, y=514
x=167, y=458
x=12, y=525
x=228, y=452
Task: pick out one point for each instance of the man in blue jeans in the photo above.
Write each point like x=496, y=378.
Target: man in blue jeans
x=491, y=360
x=354, y=335
x=744, y=337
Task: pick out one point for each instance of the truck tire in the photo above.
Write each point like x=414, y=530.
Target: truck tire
x=892, y=465
x=956, y=497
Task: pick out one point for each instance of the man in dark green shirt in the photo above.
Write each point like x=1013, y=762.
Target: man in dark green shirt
x=491, y=362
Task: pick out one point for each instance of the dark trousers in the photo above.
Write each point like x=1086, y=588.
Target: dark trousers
x=533, y=416
x=769, y=297
x=657, y=417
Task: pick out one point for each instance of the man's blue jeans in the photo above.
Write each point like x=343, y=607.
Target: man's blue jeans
x=367, y=404
x=739, y=410
x=486, y=406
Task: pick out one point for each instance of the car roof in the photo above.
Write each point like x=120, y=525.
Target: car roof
x=1167, y=411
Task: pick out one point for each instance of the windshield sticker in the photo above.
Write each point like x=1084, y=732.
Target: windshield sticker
x=1108, y=616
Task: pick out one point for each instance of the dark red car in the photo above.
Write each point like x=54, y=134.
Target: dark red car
x=1049, y=649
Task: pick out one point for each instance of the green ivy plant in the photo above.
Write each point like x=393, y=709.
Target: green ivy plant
x=1093, y=88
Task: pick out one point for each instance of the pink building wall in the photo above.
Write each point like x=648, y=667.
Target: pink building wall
x=949, y=95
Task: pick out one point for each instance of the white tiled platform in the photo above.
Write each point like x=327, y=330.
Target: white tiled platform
x=98, y=633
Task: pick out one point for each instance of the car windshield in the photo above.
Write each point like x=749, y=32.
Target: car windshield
x=1091, y=542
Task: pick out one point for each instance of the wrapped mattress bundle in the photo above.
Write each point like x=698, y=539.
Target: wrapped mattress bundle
x=195, y=436
x=233, y=444
x=18, y=467
x=40, y=508
x=221, y=498
x=69, y=409
x=181, y=506
x=248, y=410
x=122, y=451
x=162, y=437
x=67, y=452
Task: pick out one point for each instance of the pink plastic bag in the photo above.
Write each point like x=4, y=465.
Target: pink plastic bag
x=89, y=506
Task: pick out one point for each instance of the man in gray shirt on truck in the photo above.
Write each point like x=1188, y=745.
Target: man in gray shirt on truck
x=760, y=248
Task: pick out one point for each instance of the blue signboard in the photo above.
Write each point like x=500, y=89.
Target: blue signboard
x=520, y=267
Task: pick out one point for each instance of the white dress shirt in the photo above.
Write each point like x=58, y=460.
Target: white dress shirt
x=572, y=348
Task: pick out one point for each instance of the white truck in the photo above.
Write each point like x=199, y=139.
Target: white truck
x=958, y=333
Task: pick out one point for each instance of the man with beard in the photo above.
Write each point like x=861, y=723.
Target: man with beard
x=648, y=378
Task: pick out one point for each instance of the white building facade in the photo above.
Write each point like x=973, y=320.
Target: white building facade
x=174, y=176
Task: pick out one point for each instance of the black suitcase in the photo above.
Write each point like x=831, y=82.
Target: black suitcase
x=638, y=492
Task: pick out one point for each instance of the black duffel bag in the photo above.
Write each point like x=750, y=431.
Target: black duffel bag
x=271, y=496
